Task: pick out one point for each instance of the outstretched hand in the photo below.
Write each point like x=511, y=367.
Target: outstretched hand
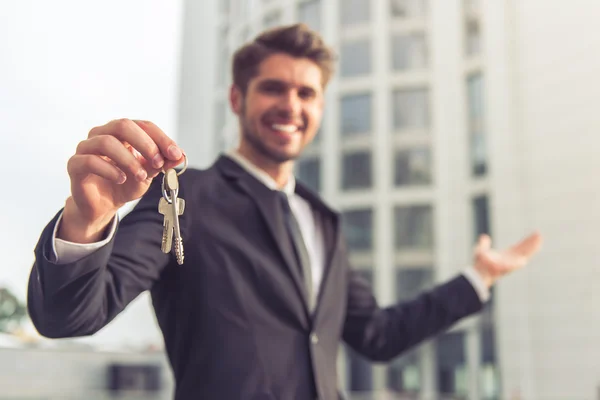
x=493, y=264
x=114, y=165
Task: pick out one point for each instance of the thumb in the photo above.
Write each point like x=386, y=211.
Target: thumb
x=483, y=244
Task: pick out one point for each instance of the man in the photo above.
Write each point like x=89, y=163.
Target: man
x=265, y=295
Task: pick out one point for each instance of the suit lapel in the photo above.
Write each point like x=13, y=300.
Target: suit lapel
x=329, y=223
x=269, y=206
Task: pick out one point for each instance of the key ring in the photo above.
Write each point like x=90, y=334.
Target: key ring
x=164, y=191
x=185, y=165
x=166, y=195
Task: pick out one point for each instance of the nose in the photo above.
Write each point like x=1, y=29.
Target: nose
x=291, y=103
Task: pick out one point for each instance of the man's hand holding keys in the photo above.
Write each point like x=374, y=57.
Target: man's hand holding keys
x=114, y=165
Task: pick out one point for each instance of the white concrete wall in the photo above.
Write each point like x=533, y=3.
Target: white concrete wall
x=545, y=163
x=195, y=133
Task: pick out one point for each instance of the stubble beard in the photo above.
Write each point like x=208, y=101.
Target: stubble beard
x=251, y=136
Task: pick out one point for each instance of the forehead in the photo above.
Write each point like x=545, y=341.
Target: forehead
x=297, y=72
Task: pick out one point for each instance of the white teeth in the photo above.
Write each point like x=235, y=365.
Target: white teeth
x=285, y=128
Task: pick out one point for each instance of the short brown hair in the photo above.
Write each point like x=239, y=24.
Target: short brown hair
x=295, y=40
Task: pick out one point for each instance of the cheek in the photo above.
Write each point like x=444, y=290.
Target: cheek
x=254, y=112
x=250, y=115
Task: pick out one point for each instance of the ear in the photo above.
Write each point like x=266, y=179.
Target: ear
x=236, y=99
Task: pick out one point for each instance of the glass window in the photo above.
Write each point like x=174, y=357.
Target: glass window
x=309, y=172
x=478, y=154
x=355, y=58
x=272, y=19
x=309, y=12
x=476, y=128
x=413, y=227
x=354, y=12
x=404, y=374
x=412, y=167
x=408, y=8
x=481, y=216
x=452, y=370
x=409, y=52
x=489, y=374
x=357, y=226
x=410, y=282
x=360, y=372
x=356, y=170
x=475, y=97
x=488, y=346
x=473, y=36
x=356, y=114
x=411, y=109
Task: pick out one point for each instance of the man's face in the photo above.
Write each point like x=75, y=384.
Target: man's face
x=281, y=111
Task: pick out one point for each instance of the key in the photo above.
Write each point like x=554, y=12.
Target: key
x=171, y=207
x=166, y=209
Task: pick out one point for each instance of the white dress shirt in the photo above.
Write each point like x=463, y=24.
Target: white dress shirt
x=67, y=252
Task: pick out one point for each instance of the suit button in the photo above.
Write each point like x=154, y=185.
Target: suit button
x=314, y=338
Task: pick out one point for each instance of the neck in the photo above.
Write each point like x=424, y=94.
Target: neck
x=280, y=172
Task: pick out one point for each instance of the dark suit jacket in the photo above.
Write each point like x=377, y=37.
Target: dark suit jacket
x=234, y=316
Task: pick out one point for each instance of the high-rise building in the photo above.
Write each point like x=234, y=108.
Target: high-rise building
x=446, y=119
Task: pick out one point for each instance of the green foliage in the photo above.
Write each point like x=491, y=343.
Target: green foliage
x=12, y=311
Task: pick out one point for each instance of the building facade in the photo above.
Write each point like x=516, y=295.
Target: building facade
x=72, y=373
x=435, y=132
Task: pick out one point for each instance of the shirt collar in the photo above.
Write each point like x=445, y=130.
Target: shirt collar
x=261, y=175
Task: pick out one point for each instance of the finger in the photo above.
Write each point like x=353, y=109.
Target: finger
x=130, y=133
x=109, y=146
x=484, y=243
x=167, y=146
x=81, y=165
x=528, y=246
x=153, y=172
x=173, y=164
x=150, y=169
x=491, y=259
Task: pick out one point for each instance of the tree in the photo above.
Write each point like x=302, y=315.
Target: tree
x=12, y=311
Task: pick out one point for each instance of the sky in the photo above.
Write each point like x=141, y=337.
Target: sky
x=65, y=67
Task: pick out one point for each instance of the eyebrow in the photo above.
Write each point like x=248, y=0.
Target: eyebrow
x=280, y=83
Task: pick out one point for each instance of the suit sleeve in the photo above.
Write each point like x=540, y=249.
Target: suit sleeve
x=380, y=334
x=81, y=297
x=65, y=252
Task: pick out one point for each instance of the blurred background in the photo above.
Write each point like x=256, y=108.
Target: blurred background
x=446, y=119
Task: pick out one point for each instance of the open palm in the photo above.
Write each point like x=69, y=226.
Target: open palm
x=492, y=264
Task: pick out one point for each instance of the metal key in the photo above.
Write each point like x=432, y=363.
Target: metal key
x=166, y=209
x=171, y=207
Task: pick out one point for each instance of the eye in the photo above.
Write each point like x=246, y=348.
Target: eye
x=306, y=93
x=271, y=88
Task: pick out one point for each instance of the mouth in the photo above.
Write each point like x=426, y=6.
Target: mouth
x=285, y=130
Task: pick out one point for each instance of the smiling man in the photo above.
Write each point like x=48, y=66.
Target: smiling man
x=266, y=293
x=278, y=97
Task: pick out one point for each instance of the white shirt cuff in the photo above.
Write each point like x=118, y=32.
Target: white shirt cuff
x=65, y=252
x=478, y=284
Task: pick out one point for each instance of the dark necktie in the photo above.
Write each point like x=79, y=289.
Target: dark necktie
x=299, y=247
